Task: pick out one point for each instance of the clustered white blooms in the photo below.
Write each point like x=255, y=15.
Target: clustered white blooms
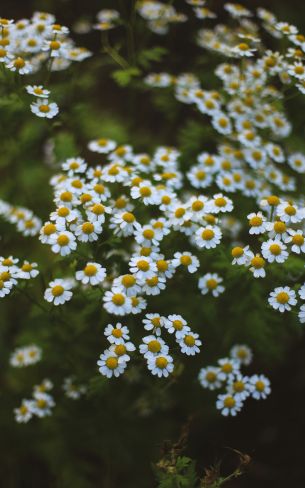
x=26, y=222
x=25, y=356
x=27, y=45
x=238, y=387
x=11, y=273
x=159, y=15
x=40, y=405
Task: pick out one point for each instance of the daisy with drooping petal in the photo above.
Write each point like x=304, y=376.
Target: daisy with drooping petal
x=241, y=255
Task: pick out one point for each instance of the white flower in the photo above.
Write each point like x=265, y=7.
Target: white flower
x=116, y=302
x=257, y=223
x=19, y=65
x=220, y=203
x=153, y=346
x=228, y=367
x=297, y=239
x=128, y=283
x=282, y=298
x=242, y=353
x=117, y=334
x=154, y=322
x=259, y=386
x=42, y=108
x=63, y=243
x=289, y=213
x=146, y=192
x=208, y=237
x=210, y=282
x=239, y=387
x=38, y=91
x=92, y=273
x=111, y=365
x=102, y=146
x=186, y=259
x=208, y=378
x=274, y=251
x=241, y=255
x=42, y=404
x=28, y=270
x=142, y=267
x=160, y=365
x=59, y=291
x=153, y=285
x=229, y=404
x=23, y=413
x=189, y=343
x=88, y=231
x=176, y=324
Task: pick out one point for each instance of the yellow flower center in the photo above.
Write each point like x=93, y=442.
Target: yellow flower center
x=189, y=340
x=260, y=385
x=63, y=240
x=161, y=362
x=207, y=234
x=211, y=284
x=128, y=217
x=63, y=212
x=112, y=362
x=237, y=252
x=275, y=249
x=257, y=262
x=154, y=346
x=128, y=280
x=143, y=265
x=118, y=299
x=256, y=221
x=229, y=402
x=210, y=376
x=120, y=349
x=282, y=297
x=44, y=108
x=298, y=239
x=57, y=290
x=90, y=270
x=148, y=234
x=49, y=229
x=186, y=260
x=197, y=206
x=88, y=228
x=27, y=267
x=290, y=210
x=19, y=63
x=162, y=265
x=220, y=202
x=145, y=191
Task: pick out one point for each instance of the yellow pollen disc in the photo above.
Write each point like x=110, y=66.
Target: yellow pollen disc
x=117, y=333
x=87, y=228
x=152, y=281
x=63, y=240
x=63, y=212
x=256, y=221
x=98, y=209
x=207, y=234
x=44, y=108
x=145, y=251
x=197, y=206
x=128, y=281
x=238, y=386
x=77, y=184
x=57, y=290
x=162, y=265
x=179, y=212
x=113, y=171
x=177, y=324
x=120, y=349
x=273, y=200
x=128, y=217
x=85, y=198
x=66, y=196
x=220, y=202
x=49, y=229
x=143, y=265
x=227, y=368
x=243, y=46
x=290, y=210
x=134, y=301
x=282, y=297
x=154, y=346
x=23, y=410
x=279, y=227
x=99, y=188
x=148, y=234
x=189, y=340
x=145, y=191
x=210, y=376
x=102, y=142
x=200, y=175
x=275, y=249
x=186, y=260
x=118, y=299
x=41, y=403
x=19, y=63
x=26, y=267
x=229, y=402
x=156, y=321
x=112, y=362
x=257, y=262
x=90, y=270
x=55, y=45
x=38, y=91
x=161, y=362
x=5, y=276
x=260, y=386
x=7, y=262
x=299, y=70
x=211, y=284
x=120, y=151
x=298, y=239
x=166, y=200
x=237, y=252
x=209, y=104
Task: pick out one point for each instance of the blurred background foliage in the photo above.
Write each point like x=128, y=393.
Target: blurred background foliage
x=114, y=436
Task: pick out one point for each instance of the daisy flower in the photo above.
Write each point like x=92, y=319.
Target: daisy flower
x=208, y=237
x=229, y=404
x=189, y=343
x=142, y=267
x=282, y=298
x=228, y=367
x=241, y=255
x=208, y=378
x=259, y=387
x=116, y=302
x=241, y=353
x=111, y=365
x=274, y=251
x=257, y=223
x=239, y=387
x=153, y=346
x=210, y=282
x=187, y=260
x=42, y=108
x=58, y=291
x=28, y=271
x=154, y=322
x=160, y=365
x=93, y=273
x=63, y=242
x=257, y=266
x=24, y=413
x=117, y=334
x=38, y=91
x=88, y=231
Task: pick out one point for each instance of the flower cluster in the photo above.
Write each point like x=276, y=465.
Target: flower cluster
x=25, y=356
x=159, y=15
x=238, y=387
x=26, y=222
x=153, y=348
x=11, y=272
x=40, y=405
x=29, y=44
